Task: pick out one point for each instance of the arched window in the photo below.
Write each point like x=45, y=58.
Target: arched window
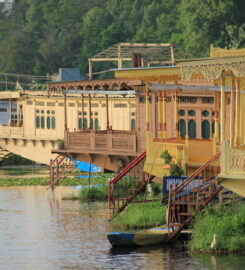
x=37, y=121
x=192, y=129
x=96, y=124
x=48, y=122
x=42, y=122
x=80, y=123
x=205, y=129
x=182, y=128
x=133, y=124
x=85, y=123
x=213, y=127
x=92, y=123
x=53, y=122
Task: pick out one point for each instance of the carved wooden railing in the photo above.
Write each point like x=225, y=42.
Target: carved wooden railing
x=233, y=160
x=108, y=140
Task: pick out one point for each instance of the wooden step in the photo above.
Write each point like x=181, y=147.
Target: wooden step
x=185, y=214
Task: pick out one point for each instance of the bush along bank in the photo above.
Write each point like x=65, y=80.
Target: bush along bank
x=220, y=229
x=140, y=216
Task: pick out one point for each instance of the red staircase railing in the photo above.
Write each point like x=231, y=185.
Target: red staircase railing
x=126, y=185
x=192, y=196
x=60, y=168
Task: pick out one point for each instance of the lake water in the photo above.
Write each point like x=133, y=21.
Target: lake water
x=27, y=171
x=40, y=231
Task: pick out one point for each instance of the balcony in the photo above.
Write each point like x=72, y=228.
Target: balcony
x=117, y=142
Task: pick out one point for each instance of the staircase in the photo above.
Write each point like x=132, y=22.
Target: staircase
x=125, y=186
x=60, y=168
x=4, y=154
x=192, y=196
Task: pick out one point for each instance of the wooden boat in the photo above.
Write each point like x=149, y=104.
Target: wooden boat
x=147, y=237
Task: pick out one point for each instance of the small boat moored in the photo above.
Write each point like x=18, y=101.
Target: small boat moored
x=148, y=237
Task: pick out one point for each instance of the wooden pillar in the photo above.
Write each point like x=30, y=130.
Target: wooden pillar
x=107, y=113
x=119, y=63
x=232, y=115
x=237, y=118
x=216, y=117
x=90, y=112
x=160, y=115
x=147, y=108
x=65, y=111
x=83, y=111
x=90, y=76
x=164, y=108
x=222, y=109
x=176, y=115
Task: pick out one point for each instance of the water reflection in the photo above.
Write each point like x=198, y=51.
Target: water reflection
x=40, y=231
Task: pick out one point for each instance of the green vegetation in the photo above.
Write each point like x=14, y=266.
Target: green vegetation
x=94, y=193
x=227, y=223
x=37, y=181
x=140, y=216
x=166, y=156
x=79, y=29
x=69, y=181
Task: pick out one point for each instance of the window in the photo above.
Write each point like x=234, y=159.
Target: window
x=205, y=129
x=192, y=129
x=96, y=124
x=48, y=122
x=191, y=113
x=209, y=100
x=187, y=99
x=80, y=123
x=182, y=128
x=205, y=113
x=181, y=112
x=42, y=122
x=53, y=122
x=133, y=124
x=85, y=123
x=37, y=121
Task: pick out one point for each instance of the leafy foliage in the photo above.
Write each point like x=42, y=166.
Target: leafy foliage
x=227, y=223
x=38, y=37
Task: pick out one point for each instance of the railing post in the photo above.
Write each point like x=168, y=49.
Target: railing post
x=51, y=172
x=109, y=140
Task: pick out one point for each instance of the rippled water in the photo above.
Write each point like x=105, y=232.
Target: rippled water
x=40, y=231
x=24, y=170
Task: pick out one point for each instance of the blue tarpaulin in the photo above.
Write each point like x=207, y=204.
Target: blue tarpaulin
x=85, y=167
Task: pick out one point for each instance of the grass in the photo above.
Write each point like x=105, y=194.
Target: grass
x=94, y=193
x=227, y=223
x=140, y=216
